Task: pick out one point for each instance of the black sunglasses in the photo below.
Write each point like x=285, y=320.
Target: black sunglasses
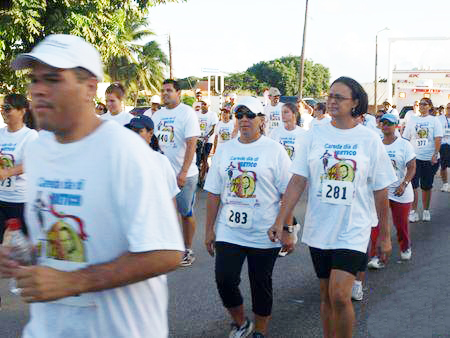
x=250, y=115
x=7, y=107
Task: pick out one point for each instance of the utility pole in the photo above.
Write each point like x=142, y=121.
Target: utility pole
x=375, y=103
x=302, y=57
x=170, y=59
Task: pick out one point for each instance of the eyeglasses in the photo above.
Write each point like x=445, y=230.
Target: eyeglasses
x=7, y=107
x=338, y=98
x=423, y=104
x=250, y=115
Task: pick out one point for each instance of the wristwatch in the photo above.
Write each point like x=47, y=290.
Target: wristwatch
x=288, y=228
x=405, y=182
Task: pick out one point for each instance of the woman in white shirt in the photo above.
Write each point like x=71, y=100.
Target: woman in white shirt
x=115, y=95
x=245, y=183
x=13, y=140
x=320, y=115
x=347, y=171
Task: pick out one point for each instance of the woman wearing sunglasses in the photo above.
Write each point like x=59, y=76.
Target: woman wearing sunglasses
x=425, y=134
x=347, y=171
x=13, y=140
x=401, y=193
x=245, y=183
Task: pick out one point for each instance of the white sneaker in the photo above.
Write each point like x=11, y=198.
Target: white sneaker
x=413, y=216
x=242, y=331
x=375, y=263
x=296, y=230
x=445, y=187
x=357, y=291
x=426, y=216
x=406, y=255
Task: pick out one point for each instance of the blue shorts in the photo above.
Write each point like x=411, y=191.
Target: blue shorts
x=186, y=197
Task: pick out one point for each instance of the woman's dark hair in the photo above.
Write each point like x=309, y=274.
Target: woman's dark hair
x=293, y=108
x=429, y=102
x=19, y=101
x=358, y=93
x=116, y=89
x=154, y=144
x=322, y=107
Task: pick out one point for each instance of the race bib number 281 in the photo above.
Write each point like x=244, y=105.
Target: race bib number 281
x=337, y=192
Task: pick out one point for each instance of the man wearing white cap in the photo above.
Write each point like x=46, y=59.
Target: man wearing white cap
x=273, y=110
x=101, y=250
x=156, y=105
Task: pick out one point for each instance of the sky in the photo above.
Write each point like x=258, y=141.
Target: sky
x=233, y=35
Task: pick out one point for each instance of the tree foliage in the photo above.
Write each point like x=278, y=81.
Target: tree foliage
x=104, y=23
x=282, y=73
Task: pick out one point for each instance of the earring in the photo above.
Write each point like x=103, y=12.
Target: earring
x=353, y=111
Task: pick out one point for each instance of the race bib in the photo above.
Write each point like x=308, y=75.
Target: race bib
x=421, y=142
x=8, y=184
x=337, y=192
x=239, y=216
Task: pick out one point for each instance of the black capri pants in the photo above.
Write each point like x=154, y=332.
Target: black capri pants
x=424, y=175
x=229, y=261
x=11, y=210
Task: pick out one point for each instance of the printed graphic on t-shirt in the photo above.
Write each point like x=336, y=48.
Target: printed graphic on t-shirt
x=274, y=119
x=338, y=173
x=422, y=133
x=63, y=235
x=288, y=144
x=391, y=154
x=165, y=132
x=7, y=161
x=242, y=182
x=224, y=134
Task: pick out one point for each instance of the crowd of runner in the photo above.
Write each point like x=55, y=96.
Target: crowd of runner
x=98, y=194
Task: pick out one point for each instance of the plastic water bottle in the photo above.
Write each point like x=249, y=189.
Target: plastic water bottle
x=21, y=249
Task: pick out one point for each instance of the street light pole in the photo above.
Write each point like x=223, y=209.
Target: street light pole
x=376, y=70
x=302, y=57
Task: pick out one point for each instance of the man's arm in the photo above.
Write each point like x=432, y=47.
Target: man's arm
x=212, y=208
x=40, y=283
x=191, y=144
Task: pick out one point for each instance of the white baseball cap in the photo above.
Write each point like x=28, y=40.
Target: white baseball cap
x=63, y=51
x=155, y=99
x=251, y=103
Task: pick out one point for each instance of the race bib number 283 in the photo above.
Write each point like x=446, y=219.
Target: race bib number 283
x=8, y=184
x=337, y=192
x=239, y=216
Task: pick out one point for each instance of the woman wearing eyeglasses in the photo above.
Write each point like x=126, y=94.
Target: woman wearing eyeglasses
x=347, y=171
x=13, y=139
x=115, y=94
x=245, y=183
x=425, y=134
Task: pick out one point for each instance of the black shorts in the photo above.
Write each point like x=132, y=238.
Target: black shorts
x=424, y=176
x=445, y=156
x=336, y=259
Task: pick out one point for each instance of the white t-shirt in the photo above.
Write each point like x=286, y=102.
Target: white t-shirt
x=400, y=152
x=89, y=202
x=148, y=112
x=168, y=172
x=316, y=122
x=273, y=116
x=206, y=122
x=287, y=138
x=421, y=131
x=250, y=179
x=408, y=115
x=12, y=147
x=370, y=121
x=122, y=118
x=445, y=122
x=306, y=120
x=393, y=111
x=172, y=128
x=223, y=131
x=343, y=168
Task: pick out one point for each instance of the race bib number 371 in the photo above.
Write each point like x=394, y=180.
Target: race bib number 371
x=337, y=192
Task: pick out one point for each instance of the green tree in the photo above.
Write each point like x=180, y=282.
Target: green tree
x=101, y=22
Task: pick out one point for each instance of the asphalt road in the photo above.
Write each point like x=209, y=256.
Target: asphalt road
x=403, y=300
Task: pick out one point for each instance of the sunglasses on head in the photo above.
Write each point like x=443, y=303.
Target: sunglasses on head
x=7, y=107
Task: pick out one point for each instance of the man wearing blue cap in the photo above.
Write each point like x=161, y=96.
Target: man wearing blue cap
x=100, y=187
x=400, y=193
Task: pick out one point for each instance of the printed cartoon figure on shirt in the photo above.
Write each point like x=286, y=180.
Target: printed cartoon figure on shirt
x=64, y=234
x=422, y=131
x=289, y=149
x=224, y=134
x=6, y=160
x=242, y=181
x=166, y=132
